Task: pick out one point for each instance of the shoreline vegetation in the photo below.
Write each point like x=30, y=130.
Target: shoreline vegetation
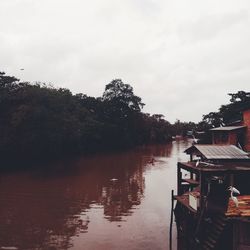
x=39, y=121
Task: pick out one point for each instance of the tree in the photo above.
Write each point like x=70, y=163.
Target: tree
x=240, y=96
x=117, y=91
x=6, y=82
x=229, y=113
x=40, y=121
x=213, y=119
x=239, y=101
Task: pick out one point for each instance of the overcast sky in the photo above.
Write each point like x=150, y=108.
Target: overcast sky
x=182, y=57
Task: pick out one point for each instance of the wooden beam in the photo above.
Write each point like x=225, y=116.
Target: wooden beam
x=179, y=178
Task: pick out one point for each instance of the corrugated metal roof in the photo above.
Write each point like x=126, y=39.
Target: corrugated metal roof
x=213, y=152
x=227, y=128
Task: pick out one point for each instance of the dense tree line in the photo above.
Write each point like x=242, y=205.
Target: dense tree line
x=40, y=121
x=183, y=128
x=37, y=120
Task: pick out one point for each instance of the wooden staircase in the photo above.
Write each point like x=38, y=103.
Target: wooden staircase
x=214, y=229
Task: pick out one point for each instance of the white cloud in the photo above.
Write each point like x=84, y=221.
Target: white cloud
x=182, y=57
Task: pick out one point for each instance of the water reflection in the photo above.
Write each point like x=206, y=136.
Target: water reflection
x=119, y=197
x=45, y=210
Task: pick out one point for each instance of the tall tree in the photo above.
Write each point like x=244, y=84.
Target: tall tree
x=117, y=91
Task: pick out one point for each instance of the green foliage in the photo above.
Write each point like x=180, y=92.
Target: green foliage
x=122, y=94
x=39, y=121
x=240, y=97
x=213, y=119
x=231, y=112
x=239, y=101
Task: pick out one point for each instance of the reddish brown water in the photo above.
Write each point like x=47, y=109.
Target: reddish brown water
x=83, y=208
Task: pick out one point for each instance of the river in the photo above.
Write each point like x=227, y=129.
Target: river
x=101, y=202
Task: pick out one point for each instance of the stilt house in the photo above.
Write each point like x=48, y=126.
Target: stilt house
x=209, y=214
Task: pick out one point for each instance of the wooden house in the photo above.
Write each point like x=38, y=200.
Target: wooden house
x=230, y=135
x=237, y=134
x=206, y=214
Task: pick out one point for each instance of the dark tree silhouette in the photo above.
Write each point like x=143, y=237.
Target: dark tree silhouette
x=231, y=112
x=117, y=91
x=38, y=121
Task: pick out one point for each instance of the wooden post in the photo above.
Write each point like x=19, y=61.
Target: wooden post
x=171, y=220
x=191, y=175
x=202, y=190
x=231, y=180
x=179, y=178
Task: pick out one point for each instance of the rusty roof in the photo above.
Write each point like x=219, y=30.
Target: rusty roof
x=243, y=209
x=218, y=152
x=227, y=128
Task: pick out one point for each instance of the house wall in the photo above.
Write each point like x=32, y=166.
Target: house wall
x=232, y=138
x=241, y=235
x=225, y=137
x=220, y=137
x=246, y=122
x=241, y=136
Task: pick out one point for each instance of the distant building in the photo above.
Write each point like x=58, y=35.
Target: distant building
x=238, y=135
x=190, y=133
